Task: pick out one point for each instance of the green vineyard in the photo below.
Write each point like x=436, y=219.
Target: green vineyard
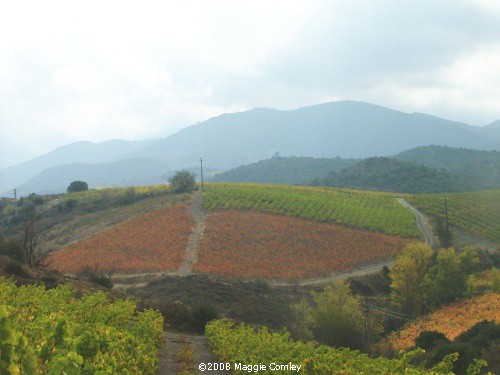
x=243, y=345
x=477, y=213
x=367, y=210
x=55, y=332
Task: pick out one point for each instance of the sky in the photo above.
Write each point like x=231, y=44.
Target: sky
x=99, y=70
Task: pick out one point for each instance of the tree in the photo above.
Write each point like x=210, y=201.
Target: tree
x=183, y=181
x=76, y=186
x=408, y=275
x=335, y=317
x=447, y=279
x=32, y=252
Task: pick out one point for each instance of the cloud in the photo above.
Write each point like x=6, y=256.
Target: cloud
x=119, y=69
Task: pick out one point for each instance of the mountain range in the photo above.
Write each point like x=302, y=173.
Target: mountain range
x=346, y=129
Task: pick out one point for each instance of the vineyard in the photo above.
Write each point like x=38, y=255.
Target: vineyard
x=54, y=332
x=242, y=344
x=258, y=245
x=477, y=213
x=154, y=241
x=366, y=210
x=451, y=320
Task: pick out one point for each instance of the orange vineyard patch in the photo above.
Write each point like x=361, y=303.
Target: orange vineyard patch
x=257, y=245
x=155, y=241
x=451, y=320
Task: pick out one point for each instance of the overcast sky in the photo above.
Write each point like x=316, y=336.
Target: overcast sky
x=98, y=70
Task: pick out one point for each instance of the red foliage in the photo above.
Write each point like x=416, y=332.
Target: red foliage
x=151, y=242
x=257, y=245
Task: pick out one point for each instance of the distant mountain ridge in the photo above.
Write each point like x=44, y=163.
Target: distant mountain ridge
x=423, y=169
x=347, y=129
x=78, y=152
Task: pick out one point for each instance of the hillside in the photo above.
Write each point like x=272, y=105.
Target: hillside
x=346, y=129
x=451, y=320
x=386, y=174
x=448, y=169
x=284, y=170
x=480, y=169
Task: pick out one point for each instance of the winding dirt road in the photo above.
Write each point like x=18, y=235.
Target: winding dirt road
x=421, y=223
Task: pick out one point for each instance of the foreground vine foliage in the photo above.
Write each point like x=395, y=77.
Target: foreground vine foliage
x=243, y=344
x=54, y=332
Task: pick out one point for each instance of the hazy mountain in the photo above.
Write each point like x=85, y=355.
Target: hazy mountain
x=494, y=125
x=78, y=152
x=285, y=170
x=120, y=173
x=387, y=174
x=347, y=129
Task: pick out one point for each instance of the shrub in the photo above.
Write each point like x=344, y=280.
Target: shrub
x=129, y=195
x=13, y=250
x=96, y=277
x=70, y=203
x=183, y=181
x=429, y=339
x=77, y=186
x=15, y=268
x=202, y=315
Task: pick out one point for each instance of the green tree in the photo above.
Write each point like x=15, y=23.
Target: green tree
x=183, y=181
x=447, y=279
x=335, y=317
x=408, y=275
x=76, y=186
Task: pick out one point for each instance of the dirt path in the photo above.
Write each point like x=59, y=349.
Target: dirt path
x=421, y=223
x=192, y=248
x=124, y=281
x=361, y=271
x=174, y=343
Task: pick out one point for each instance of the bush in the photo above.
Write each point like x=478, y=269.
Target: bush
x=202, y=315
x=430, y=339
x=13, y=250
x=129, y=196
x=77, y=186
x=70, y=203
x=183, y=181
x=97, y=278
x=15, y=268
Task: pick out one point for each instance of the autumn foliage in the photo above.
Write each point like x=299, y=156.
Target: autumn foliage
x=451, y=320
x=258, y=245
x=154, y=241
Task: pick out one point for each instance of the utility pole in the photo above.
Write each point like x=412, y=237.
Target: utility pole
x=201, y=169
x=15, y=195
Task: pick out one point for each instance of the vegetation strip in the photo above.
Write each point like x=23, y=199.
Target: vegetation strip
x=55, y=332
x=359, y=209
